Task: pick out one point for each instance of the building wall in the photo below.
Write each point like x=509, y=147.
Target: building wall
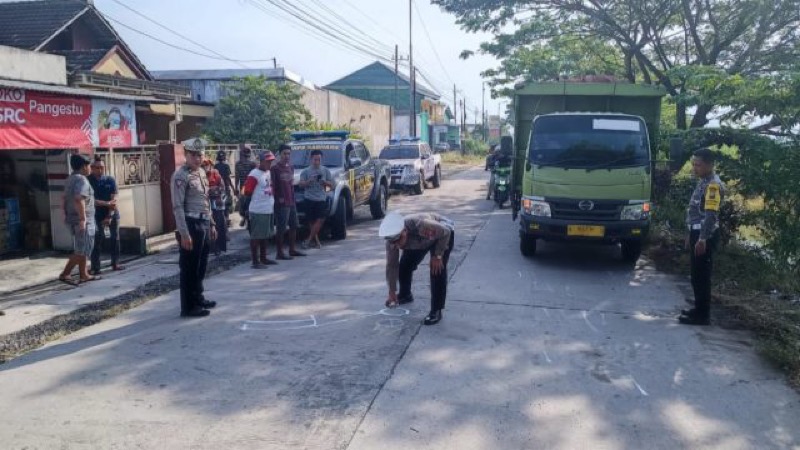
x=383, y=96
x=18, y=64
x=115, y=66
x=372, y=120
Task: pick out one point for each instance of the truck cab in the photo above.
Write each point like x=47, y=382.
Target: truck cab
x=359, y=179
x=584, y=175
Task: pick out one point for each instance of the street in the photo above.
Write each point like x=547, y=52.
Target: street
x=570, y=349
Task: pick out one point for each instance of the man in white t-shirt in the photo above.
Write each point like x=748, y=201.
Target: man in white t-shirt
x=258, y=187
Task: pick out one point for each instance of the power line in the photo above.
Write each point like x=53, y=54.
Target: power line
x=177, y=47
x=430, y=41
x=309, y=29
x=345, y=22
x=160, y=25
x=304, y=17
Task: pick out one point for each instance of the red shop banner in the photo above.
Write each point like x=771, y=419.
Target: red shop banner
x=35, y=120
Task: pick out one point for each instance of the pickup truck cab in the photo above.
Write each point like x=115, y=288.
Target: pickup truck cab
x=358, y=178
x=413, y=164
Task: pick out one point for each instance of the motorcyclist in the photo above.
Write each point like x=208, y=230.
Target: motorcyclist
x=498, y=159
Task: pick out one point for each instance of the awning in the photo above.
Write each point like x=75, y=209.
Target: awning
x=78, y=92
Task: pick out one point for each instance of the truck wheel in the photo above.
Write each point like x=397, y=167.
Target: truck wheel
x=631, y=250
x=378, y=206
x=339, y=220
x=527, y=245
x=437, y=177
x=420, y=187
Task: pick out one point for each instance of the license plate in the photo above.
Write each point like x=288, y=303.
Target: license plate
x=586, y=230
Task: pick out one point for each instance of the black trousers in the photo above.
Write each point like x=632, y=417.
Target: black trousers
x=100, y=237
x=221, y=224
x=410, y=260
x=193, y=263
x=701, y=274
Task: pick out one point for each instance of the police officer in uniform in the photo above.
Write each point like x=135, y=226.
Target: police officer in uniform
x=702, y=218
x=195, y=227
x=416, y=235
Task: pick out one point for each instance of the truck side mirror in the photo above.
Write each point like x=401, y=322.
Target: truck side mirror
x=675, y=154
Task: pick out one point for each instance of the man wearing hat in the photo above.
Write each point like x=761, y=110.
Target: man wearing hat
x=195, y=228
x=702, y=220
x=258, y=189
x=416, y=235
x=79, y=217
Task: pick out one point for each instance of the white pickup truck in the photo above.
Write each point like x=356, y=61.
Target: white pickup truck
x=413, y=164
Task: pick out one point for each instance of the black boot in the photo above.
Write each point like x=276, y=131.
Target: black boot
x=433, y=317
x=197, y=312
x=405, y=299
x=693, y=320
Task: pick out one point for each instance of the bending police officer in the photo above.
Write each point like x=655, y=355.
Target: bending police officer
x=702, y=219
x=195, y=228
x=416, y=235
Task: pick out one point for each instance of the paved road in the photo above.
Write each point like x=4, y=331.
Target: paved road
x=572, y=349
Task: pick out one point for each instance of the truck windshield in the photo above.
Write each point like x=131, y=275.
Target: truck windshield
x=332, y=154
x=588, y=141
x=400, y=152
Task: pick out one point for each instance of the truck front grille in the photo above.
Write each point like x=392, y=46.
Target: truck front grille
x=603, y=210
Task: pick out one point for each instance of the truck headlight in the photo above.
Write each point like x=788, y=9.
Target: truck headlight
x=639, y=211
x=537, y=208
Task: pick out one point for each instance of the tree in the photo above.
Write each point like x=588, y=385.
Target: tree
x=656, y=38
x=259, y=111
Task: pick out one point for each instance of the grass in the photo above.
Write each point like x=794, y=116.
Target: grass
x=749, y=292
x=455, y=157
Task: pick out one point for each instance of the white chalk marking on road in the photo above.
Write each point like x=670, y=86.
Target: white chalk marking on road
x=311, y=322
x=546, y=312
x=547, y=357
x=520, y=274
x=588, y=324
x=603, y=316
x=642, y=391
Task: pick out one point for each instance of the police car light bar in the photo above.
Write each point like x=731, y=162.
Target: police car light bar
x=404, y=139
x=335, y=134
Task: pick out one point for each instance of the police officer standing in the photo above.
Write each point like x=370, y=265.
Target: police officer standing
x=195, y=227
x=702, y=218
x=417, y=235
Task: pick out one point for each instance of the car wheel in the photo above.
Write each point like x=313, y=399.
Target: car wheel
x=378, y=206
x=437, y=177
x=420, y=187
x=339, y=220
x=527, y=245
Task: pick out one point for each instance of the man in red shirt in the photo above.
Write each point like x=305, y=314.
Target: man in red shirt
x=282, y=175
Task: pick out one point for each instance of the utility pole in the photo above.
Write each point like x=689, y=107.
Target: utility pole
x=412, y=87
x=483, y=108
x=394, y=103
x=455, y=104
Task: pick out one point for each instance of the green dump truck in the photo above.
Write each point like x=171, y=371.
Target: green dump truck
x=583, y=162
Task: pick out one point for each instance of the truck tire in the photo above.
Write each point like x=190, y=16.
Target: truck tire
x=420, y=187
x=437, y=177
x=527, y=245
x=631, y=250
x=378, y=206
x=339, y=220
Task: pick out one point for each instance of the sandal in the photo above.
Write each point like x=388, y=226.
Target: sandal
x=68, y=281
x=391, y=304
x=94, y=278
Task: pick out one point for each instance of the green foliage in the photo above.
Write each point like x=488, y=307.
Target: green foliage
x=355, y=133
x=256, y=110
x=475, y=147
x=652, y=40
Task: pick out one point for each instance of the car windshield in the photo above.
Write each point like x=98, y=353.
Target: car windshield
x=400, y=152
x=588, y=142
x=332, y=154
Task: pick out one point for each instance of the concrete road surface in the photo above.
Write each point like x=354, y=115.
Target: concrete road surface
x=571, y=349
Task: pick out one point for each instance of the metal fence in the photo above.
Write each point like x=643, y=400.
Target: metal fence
x=132, y=166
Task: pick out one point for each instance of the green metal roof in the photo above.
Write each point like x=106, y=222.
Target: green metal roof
x=378, y=75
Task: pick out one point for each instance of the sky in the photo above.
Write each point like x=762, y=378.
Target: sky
x=253, y=30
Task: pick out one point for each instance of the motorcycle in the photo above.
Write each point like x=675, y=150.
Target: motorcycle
x=502, y=175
